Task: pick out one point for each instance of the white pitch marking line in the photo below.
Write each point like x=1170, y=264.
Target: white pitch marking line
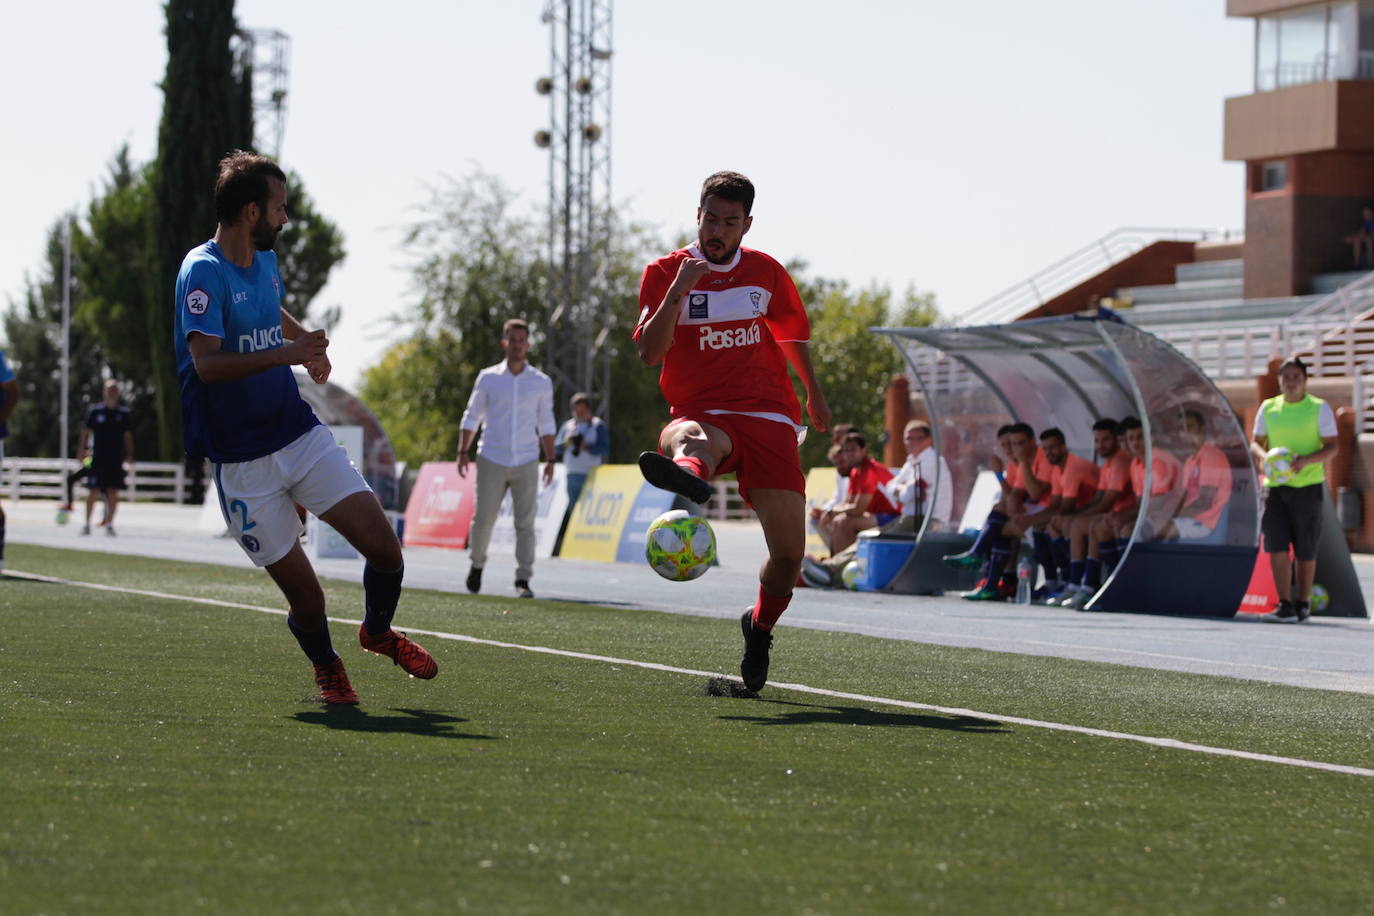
x=799, y=688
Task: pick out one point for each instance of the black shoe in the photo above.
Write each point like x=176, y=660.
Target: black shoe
x=660, y=471
x=474, y=579
x=1284, y=612
x=1303, y=609
x=815, y=575
x=753, y=668
x=522, y=588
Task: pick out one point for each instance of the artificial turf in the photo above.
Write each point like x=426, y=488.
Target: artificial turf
x=166, y=756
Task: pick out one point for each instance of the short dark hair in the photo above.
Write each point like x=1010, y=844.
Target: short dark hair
x=513, y=324
x=1130, y=423
x=1296, y=363
x=857, y=438
x=729, y=186
x=1005, y=429
x=580, y=397
x=840, y=430
x=243, y=180
x=1022, y=428
x=1054, y=432
x=1108, y=424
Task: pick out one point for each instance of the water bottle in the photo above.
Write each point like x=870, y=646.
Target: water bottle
x=1025, y=580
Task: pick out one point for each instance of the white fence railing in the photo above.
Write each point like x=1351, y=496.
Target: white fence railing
x=46, y=478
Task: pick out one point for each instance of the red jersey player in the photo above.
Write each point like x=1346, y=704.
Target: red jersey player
x=725, y=322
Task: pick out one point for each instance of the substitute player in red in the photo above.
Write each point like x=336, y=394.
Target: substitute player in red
x=725, y=322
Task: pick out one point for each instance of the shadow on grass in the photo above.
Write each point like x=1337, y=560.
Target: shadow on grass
x=412, y=721
x=811, y=714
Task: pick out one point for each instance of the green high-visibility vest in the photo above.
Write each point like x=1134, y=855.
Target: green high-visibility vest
x=1294, y=426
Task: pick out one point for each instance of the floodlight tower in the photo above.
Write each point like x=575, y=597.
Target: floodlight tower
x=268, y=52
x=578, y=138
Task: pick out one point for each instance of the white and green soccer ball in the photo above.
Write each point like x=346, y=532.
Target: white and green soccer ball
x=1321, y=599
x=680, y=546
x=850, y=575
x=1278, y=465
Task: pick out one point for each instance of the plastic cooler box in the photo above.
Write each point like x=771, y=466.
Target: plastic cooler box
x=880, y=559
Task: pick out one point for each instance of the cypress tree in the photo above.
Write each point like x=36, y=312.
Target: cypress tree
x=207, y=112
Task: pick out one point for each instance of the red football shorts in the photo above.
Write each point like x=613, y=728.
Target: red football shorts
x=763, y=453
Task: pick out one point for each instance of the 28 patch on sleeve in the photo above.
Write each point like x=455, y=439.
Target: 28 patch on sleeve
x=197, y=302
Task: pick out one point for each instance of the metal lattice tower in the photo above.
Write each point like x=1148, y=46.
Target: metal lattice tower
x=269, y=54
x=579, y=143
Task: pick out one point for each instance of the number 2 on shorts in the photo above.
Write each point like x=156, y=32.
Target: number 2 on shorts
x=241, y=508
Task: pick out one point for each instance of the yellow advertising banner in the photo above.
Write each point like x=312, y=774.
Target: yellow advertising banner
x=598, y=520
x=820, y=486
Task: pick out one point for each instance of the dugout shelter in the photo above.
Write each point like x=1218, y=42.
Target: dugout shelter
x=1068, y=373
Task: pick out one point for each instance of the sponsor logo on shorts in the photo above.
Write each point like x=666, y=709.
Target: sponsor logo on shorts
x=729, y=338
x=250, y=543
x=197, y=302
x=696, y=306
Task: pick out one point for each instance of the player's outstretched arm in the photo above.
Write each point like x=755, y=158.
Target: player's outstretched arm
x=214, y=365
x=798, y=353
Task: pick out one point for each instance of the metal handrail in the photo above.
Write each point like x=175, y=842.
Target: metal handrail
x=1353, y=302
x=1074, y=268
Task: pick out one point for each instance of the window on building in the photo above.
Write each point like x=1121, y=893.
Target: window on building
x=1323, y=41
x=1273, y=176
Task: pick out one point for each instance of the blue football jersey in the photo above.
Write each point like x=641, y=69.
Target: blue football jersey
x=249, y=417
x=6, y=375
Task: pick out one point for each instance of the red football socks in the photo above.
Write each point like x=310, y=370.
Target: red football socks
x=769, y=609
x=695, y=465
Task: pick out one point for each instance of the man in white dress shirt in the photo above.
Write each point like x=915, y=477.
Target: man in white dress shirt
x=914, y=485
x=512, y=402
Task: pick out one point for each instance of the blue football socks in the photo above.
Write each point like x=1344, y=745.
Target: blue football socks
x=381, y=593
x=314, y=643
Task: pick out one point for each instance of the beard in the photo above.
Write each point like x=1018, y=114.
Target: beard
x=719, y=254
x=264, y=235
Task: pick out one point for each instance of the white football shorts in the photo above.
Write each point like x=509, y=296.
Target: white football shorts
x=259, y=497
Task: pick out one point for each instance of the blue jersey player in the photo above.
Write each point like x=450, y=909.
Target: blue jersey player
x=235, y=347
x=9, y=399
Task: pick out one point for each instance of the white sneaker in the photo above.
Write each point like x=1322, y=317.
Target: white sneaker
x=109, y=531
x=1080, y=598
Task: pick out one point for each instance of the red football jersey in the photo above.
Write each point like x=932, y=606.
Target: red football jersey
x=725, y=353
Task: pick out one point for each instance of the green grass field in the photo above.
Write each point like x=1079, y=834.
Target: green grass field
x=162, y=756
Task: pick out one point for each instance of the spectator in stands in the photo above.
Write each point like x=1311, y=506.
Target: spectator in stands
x=1073, y=487
x=1206, y=483
x=583, y=442
x=1306, y=426
x=1361, y=241
x=108, y=438
x=1113, y=495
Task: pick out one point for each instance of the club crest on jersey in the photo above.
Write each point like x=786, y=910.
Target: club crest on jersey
x=250, y=542
x=755, y=297
x=197, y=302
x=696, y=306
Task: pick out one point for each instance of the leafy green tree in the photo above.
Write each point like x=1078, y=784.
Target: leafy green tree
x=481, y=261
x=116, y=281
x=207, y=112
x=33, y=330
x=854, y=366
x=307, y=250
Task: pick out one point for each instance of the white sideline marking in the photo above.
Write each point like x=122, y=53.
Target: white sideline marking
x=799, y=688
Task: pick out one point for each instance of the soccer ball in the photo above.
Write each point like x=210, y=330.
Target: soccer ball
x=1278, y=465
x=1321, y=599
x=62, y=516
x=850, y=575
x=680, y=546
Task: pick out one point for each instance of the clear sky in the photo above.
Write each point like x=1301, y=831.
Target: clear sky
x=954, y=146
